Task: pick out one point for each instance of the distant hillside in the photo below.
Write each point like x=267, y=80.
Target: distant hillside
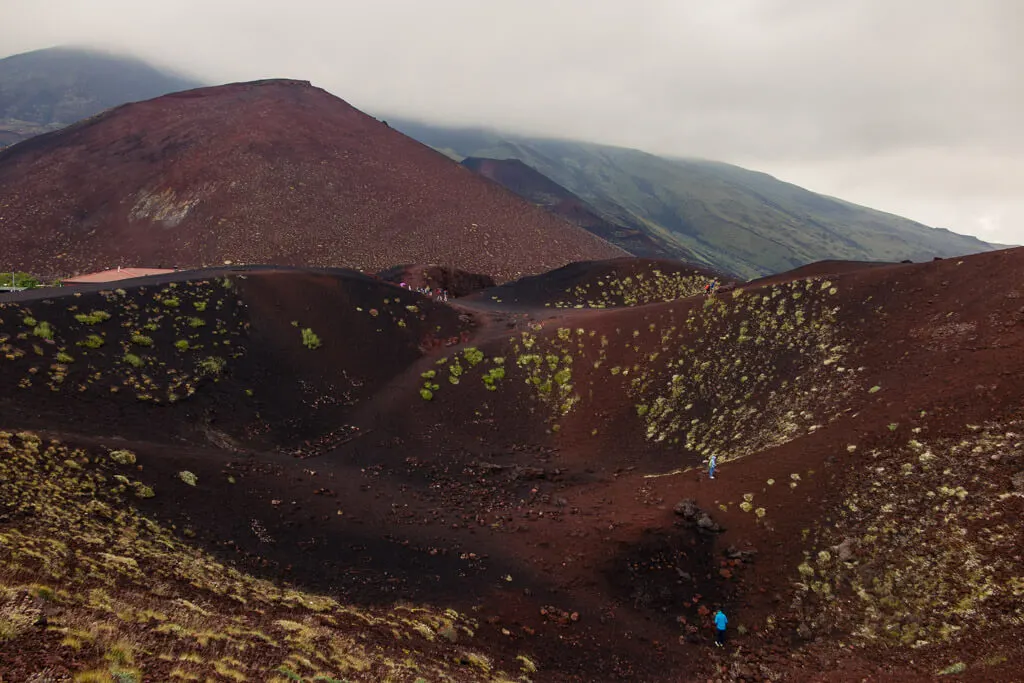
x=747, y=222
x=268, y=172
x=542, y=191
x=47, y=89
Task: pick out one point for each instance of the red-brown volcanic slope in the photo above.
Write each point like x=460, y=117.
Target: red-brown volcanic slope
x=522, y=463
x=456, y=282
x=272, y=171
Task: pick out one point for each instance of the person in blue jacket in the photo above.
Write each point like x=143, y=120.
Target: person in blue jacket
x=720, y=622
x=711, y=467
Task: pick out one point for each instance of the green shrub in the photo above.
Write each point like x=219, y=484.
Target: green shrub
x=309, y=339
x=143, y=491
x=527, y=664
x=43, y=330
x=181, y=345
x=492, y=376
x=473, y=355
x=142, y=340
x=93, y=341
x=171, y=302
x=196, y=322
x=123, y=457
x=289, y=674
x=93, y=318
x=133, y=360
x=29, y=321
x=427, y=394
x=212, y=365
x=64, y=358
x=188, y=477
x=18, y=280
x=199, y=305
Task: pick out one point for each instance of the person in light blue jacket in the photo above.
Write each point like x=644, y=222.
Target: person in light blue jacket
x=711, y=467
x=720, y=622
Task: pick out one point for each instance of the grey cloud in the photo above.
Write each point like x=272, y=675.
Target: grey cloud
x=912, y=106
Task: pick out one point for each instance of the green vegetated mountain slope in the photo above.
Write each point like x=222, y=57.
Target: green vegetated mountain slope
x=538, y=189
x=45, y=90
x=744, y=221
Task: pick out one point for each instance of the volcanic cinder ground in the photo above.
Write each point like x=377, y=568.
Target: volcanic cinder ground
x=285, y=474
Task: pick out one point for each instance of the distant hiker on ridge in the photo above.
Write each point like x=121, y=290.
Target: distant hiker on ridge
x=711, y=467
x=720, y=622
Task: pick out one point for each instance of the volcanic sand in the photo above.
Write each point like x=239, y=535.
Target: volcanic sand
x=536, y=486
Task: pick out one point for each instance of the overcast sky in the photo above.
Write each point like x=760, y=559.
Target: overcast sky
x=910, y=106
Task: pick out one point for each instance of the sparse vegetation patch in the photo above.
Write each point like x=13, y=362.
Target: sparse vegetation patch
x=636, y=289
x=920, y=553
x=135, y=599
x=93, y=318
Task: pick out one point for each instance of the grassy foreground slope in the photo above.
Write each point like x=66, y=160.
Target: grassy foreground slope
x=743, y=221
x=91, y=585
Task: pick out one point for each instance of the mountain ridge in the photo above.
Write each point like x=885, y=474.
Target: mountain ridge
x=44, y=90
x=527, y=182
x=708, y=212
x=745, y=221
x=266, y=171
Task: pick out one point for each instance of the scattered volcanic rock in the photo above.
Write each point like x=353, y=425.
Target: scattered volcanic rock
x=693, y=516
x=271, y=171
